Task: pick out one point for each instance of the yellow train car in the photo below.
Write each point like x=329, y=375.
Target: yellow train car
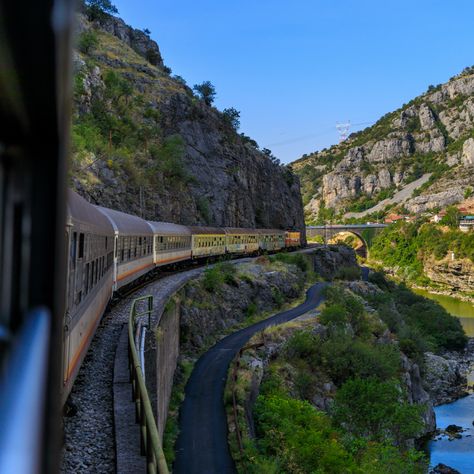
x=207, y=241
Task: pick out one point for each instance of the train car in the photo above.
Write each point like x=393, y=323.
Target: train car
x=271, y=240
x=207, y=241
x=133, y=244
x=241, y=241
x=171, y=243
x=90, y=237
x=292, y=239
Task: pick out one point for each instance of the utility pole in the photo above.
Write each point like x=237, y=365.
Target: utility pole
x=343, y=129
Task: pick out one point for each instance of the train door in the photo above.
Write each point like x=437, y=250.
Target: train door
x=114, y=285
x=67, y=312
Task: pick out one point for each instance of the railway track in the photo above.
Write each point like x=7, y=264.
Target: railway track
x=89, y=441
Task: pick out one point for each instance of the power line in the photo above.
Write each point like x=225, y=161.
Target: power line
x=314, y=135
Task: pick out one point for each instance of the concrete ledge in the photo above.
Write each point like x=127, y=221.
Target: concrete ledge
x=127, y=432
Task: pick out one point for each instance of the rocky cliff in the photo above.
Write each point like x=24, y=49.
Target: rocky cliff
x=145, y=144
x=432, y=136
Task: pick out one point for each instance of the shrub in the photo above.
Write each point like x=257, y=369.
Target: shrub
x=372, y=409
x=345, y=358
x=212, y=279
x=87, y=42
x=98, y=10
x=300, y=437
x=347, y=273
x=206, y=92
x=301, y=345
x=335, y=314
x=232, y=117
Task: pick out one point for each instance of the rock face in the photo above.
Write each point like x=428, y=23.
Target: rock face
x=186, y=163
x=329, y=259
x=455, y=274
x=255, y=289
x=443, y=379
x=431, y=134
x=417, y=393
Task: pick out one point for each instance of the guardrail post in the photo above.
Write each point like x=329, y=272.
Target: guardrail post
x=150, y=444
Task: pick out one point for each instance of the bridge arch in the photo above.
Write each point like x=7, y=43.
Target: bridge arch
x=364, y=232
x=361, y=250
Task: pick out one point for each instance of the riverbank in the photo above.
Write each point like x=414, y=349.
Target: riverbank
x=445, y=292
x=436, y=290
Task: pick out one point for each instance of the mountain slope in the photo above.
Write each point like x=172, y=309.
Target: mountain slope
x=144, y=143
x=434, y=133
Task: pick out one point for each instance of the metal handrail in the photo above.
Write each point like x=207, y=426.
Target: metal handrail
x=150, y=443
x=22, y=396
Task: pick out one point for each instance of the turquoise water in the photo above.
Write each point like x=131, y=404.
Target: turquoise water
x=458, y=453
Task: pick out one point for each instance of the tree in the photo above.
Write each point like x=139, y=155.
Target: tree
x=371, y=408
x=87, y=42
x=147, y=31
x=232, y=116
x=206, y=92
x=451, y=219
x=98, y=10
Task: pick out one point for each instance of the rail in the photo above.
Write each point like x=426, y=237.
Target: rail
x=150, y=444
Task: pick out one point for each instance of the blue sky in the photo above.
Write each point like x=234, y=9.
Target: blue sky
x=295, y=68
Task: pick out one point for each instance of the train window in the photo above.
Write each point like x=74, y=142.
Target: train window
x=81, y=246
x=73, y=248
x=92, y=273
x=129, y=254
x=122, y=256
x=87, y=278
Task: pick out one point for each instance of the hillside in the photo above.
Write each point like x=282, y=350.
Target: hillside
x=144, y=143
x=434, y=133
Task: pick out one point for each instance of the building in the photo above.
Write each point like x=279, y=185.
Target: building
x=466, y=223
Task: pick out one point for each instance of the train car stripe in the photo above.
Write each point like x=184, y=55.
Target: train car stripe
x=85, y=341
x=135, y=270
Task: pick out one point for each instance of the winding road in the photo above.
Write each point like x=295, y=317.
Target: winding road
x=202, y=446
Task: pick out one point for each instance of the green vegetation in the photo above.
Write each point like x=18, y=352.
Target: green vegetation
x=298, y=259
x=182, y=374
x=87, y=41
x=216, y=276
x=420, y=324
x=371, y=421
x=405, y=245
x=232, y=116
x=98, y=10
x=206, y=92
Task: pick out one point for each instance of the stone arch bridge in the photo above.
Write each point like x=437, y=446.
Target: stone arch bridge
x=364, y=232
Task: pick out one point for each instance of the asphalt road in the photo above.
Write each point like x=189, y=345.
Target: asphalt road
x=202, y=446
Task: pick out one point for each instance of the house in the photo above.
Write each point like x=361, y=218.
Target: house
x=392, y=218
x=437, y=217
x=466, y=223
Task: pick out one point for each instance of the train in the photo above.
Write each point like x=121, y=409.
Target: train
x=109, y=249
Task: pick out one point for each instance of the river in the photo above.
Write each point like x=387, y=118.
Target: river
x=458, y=453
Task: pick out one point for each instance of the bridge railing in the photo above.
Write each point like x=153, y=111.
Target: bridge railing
x=150, y=443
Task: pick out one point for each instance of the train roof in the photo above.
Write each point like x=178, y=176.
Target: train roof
x=126, y=224
x=202, y=230
x=240, y=231
x=82, y=211
x=270, y=231
x=167, y=228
